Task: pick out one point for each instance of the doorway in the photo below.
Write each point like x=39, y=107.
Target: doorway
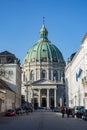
x=52, y=102
x=35, y=103
x=44, y=102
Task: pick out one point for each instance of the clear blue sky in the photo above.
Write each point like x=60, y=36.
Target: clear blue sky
x=21, y=20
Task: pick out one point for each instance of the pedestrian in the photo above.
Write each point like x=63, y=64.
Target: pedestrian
x=68, y=112
x=63, y=112
x=27, y=111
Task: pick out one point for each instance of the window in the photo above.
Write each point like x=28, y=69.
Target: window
x=43, y=74
x=32, y=75
x=55, y=75
x=3, y=60
x=44, y=59
x=33, y=59
x=10, y=60
x=54, y=59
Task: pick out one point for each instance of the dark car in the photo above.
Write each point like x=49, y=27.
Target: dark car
x=10, y=112
x=84, y=116
x=19, y=111
x=77, y=111
x=56, y=109
x=80, y=113
x=27, y=108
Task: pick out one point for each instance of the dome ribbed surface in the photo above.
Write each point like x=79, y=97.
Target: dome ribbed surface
x=43, y=50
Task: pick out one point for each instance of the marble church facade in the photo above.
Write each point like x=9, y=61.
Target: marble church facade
x=43, y=74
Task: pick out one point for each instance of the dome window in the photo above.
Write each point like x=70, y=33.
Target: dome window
x=44, y=59
x=49, y=59
x=54, y=59
x=33, y=59
x=32, y=75
x=43, y=74
x=55, y=75
x=44, y=50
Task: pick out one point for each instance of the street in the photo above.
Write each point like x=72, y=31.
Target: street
x=42, y=121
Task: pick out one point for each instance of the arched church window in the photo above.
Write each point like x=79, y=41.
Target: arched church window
x=32, y=75
x=55, y=75
x=43, y=74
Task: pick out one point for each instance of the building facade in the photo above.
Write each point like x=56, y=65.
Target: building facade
x=7, y=97
x=10, y=72
x=76, y=77
x=43, y=73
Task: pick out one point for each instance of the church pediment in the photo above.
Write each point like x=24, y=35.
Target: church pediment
x=42, y=82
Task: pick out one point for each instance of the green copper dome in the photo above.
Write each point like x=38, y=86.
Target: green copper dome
x=44, y=50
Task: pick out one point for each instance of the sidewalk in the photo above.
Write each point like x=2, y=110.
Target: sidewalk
x=2, y=114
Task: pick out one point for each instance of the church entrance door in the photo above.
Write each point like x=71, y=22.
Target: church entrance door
x=44, y=103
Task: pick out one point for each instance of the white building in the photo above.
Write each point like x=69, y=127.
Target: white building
x=43, y=74
x=10, y=72
x=76, y=77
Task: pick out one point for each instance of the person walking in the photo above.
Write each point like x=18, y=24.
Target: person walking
x=68, y=112
x=63, y=112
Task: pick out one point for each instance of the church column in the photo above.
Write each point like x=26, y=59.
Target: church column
x=47, y=73
x=29, y=75
x=47, y=98
x=39, y=103
x=35, y=75
x=54, y=97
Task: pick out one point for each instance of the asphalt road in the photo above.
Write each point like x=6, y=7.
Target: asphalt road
x=42, y=121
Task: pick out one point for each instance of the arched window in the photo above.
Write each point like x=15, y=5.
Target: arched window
x=32, y=75
x=43, y=74
x=55, y=75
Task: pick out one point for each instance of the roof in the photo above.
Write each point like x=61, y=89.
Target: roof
x=9, y=58
x=3, y=85
x=6, y=53
x=43, y=50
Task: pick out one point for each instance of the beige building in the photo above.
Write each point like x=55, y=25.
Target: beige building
x=43, y=73
x=10, y=72
x=7, y=97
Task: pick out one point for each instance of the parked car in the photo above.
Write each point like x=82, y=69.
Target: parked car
x=27, y=108
x=77, y=111
x=56, y=109
x=19, y=111
x=10, y=112
x=84, y=116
